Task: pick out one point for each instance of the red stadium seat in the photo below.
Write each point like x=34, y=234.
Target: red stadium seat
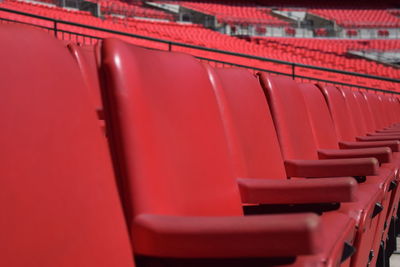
x=256, y=155
x=360, y=120
x=297, y=142
x=325, y=134
x=196, y=166
x=346, y=129
x=60, y=205
x=182, y=197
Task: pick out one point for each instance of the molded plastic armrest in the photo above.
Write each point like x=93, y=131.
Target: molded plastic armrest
x=393, y=131
x=297, y=191
x=383, y=134
x=378, y=138
x=382, y=154
x=393, y=144
x=331, y=167
x=226, y=236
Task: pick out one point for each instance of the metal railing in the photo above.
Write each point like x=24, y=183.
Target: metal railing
x=297, y=71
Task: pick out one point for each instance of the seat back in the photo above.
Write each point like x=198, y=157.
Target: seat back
x=382, y=110
x=59, y=203
x=320, y=117
x=88, y=61
x=341, y=116
x=290, y=117
x=387, y=102
x=356, y=114
x=248, y=124
x=366, y=111
x=168, y=136
x=396, y=108
x=371, y=100
x=386, y=109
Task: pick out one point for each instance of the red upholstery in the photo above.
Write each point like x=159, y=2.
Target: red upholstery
x=174, y=162
x=59, y=205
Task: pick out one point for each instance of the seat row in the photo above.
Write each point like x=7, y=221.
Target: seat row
x=329, y=53
x=373, y=18
x=234, y=12
x=133, y=9
x=118, y=150
x=286, y=49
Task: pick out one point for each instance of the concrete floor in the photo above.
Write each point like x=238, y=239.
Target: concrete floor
x=395, y=258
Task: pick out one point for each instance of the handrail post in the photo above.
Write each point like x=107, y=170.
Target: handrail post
x=169, y=46
x=293, y=73
x=55, y=28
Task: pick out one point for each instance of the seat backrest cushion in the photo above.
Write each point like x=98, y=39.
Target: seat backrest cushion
x=290, y=117
x=250, y=130
x=167, y=133
x=58, y=198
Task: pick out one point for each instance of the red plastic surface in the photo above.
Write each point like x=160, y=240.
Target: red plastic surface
x=222, y=237
x=393, y=145
x=332, y=167
x=325, y=190
x=59, y=203
x=290, y=117
x=382, y=154
x=174, y=160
